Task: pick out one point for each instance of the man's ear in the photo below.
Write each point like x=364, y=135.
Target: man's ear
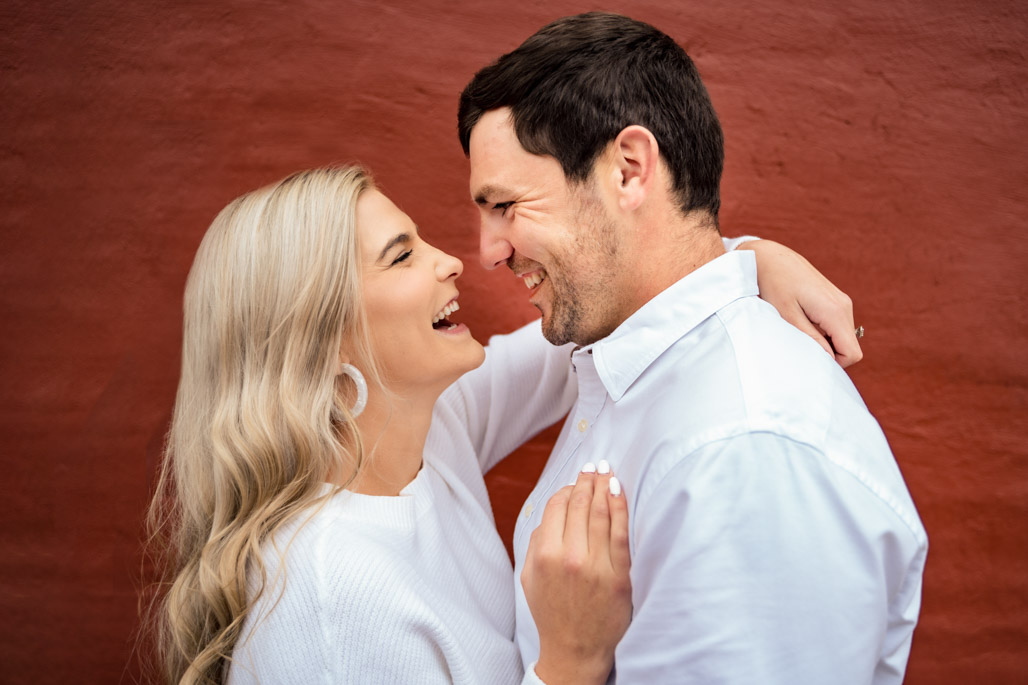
x=636, y=155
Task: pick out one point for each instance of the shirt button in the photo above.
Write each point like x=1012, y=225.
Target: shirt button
x=582, y=425
x=528, y=510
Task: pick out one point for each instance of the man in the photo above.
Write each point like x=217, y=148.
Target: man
x=772, y=536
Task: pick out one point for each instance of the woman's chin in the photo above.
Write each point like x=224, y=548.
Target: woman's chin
x=479, y=357
x=446, y=368
x=470, y=360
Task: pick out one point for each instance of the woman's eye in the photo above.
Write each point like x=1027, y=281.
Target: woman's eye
x=403, y=257
x=503, y=207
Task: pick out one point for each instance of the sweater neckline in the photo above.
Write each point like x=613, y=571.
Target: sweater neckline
x=401, y=510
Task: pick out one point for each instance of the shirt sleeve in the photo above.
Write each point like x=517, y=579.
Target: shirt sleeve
x=524, y=385
x=757, y=560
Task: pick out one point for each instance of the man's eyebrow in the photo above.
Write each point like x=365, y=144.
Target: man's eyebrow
x=396, y=240
x=487, y=191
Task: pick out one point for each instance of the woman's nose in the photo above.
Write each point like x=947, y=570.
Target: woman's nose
x=448, y=266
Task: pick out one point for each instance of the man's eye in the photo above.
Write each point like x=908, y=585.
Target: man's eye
x=403, y=257
x=503, y=207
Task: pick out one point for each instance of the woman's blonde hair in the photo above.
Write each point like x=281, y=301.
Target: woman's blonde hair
x=261, y=418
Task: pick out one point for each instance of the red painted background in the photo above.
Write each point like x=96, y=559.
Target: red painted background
x=885, y=140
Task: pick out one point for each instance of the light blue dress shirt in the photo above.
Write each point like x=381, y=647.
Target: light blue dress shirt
x=773, y=539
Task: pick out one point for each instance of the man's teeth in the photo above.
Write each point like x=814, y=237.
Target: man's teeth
x=534, y=279
x=446, y=311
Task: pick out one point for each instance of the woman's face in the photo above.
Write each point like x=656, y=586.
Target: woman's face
x=408, y=285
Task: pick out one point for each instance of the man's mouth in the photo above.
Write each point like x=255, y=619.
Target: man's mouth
x=533, y=279
x=440, y=322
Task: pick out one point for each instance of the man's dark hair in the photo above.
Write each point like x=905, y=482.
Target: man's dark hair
x=579, y=81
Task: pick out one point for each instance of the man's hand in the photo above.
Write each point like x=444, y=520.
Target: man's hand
x=576, y=580
x=806, y=299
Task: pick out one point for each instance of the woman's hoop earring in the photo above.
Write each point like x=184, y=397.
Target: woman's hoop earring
x=362, y=388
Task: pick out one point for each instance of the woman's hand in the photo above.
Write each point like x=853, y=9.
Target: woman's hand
x=806, y=299
x=576, y=579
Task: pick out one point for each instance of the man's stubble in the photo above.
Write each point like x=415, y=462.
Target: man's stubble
x=583, y=279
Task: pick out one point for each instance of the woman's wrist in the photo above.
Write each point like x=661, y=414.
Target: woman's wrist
x=573, y=671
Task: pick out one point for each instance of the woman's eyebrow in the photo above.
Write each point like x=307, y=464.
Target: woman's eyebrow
x=396, y=240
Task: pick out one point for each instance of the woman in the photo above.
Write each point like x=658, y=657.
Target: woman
x=323, y=483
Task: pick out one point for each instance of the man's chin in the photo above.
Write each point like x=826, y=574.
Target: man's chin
x=554, y=332
x=562, y=324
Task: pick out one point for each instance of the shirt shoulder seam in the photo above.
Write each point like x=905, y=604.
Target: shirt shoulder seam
x=845, y=465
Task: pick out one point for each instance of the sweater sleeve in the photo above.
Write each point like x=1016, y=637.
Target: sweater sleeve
x=524, y=385
x=530, y=677
x=733, y=243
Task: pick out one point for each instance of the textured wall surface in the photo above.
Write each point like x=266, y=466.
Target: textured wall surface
x=885, y=140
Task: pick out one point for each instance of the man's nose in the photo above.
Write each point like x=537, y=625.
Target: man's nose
x=493, y=247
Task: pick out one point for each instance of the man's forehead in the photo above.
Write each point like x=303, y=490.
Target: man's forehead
x=494, y=126
x=500, y=167
x=489, y=146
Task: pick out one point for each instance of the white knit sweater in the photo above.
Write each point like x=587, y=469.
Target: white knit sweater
x=416, y=588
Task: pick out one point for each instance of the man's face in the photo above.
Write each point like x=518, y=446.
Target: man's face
x=560, y=239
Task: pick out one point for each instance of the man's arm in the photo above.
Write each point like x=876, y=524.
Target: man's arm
x=757, y=559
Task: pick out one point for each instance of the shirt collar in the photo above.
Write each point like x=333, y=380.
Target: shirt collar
x=622, y=356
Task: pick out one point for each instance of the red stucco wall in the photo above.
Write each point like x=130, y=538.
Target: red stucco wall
x=885, y=140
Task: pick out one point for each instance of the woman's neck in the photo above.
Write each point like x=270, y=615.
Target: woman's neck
x=393, y=430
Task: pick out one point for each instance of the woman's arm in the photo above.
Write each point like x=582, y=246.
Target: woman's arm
x=525, y=383
x=806, y=299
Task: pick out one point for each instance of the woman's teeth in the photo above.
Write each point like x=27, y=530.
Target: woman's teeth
x=534, y=279
x=445, y=312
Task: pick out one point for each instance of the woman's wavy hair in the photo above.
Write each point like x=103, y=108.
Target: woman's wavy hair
x=262, y=417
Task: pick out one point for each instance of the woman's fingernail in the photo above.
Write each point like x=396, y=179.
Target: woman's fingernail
x=615, y=486
x=589, y=468
x=603, y=466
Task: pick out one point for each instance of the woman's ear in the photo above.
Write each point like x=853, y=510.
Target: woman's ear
x=636, y=155
x=344, y=358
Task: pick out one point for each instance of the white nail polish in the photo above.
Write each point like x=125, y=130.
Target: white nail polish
x=615, y=486
x=589, y=468
x=603, y=466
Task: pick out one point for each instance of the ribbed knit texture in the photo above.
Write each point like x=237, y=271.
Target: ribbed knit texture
x=416, y=588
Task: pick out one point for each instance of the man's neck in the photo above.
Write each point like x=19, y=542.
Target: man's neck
x=665, y=254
